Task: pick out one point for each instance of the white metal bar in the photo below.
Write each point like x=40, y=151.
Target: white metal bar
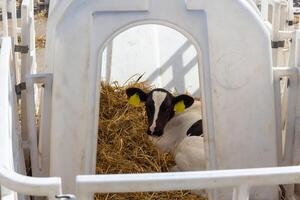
x=297, y=48
x=292, y=73
x=283, y=15
x=297, y=141
x=24, y=71
x=87, y=184
x=284, y=101
x=18, y=151
x=32, y=130
x=265, y=9
x=290, y=13
x=32, y=34
x=275, y=27
x=12, y=10
x=6, y=110
x=28, y=60
x=43, y=145
x=290, y=93
x=241, y=193
x=284, y=35
x=278, y=115
x=286, y=71
x=290, y=123
x=29, y=185
x=4, y=18
x=8, y=178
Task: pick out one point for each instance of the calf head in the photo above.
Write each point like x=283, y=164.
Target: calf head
x=160, y=105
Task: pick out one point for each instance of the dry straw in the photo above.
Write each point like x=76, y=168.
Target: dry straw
x=123, y=146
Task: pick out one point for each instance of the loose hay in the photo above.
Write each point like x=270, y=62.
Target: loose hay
x=40, y=42
x=123, y=146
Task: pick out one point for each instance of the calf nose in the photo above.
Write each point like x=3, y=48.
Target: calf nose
x=157, y=133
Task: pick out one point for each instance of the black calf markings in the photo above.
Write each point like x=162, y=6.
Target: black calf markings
x=196, y=129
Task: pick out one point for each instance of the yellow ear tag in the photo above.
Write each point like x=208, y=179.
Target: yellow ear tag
x=134, y=100
x=179, y=107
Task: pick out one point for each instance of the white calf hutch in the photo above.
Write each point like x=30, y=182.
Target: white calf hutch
x=241, y=62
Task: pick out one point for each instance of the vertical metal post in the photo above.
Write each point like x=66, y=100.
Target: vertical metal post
x=4, y=18
x=275, y=34
x=32, y=130
x=265, y=9
x=24, y=70
x=241, y=193
x=277, y=96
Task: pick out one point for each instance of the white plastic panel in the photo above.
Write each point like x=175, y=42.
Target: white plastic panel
x=125, y=5
x=235, y=71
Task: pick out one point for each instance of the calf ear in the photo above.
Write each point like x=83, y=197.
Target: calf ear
x=135, y=96
x=182, y=102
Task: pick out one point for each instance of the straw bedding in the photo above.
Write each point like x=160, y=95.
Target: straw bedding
x=40, y=42
x=123, y=146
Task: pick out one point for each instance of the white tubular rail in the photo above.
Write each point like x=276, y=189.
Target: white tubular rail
x=28, y=38
x=30, y=186
x=241, y=180
x=11, y=4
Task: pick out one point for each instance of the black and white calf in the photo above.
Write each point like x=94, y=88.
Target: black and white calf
x=174, y=125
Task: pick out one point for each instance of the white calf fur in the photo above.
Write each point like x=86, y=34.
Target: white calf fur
x=158, y=98
x=176, y=129
x=188, y=151
x=189, y=154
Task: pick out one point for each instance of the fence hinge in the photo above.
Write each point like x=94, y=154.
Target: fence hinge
x=21, y=49
x=277, y=44
x=65, y=196
x=20, y=87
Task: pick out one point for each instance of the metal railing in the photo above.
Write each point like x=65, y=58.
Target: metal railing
x=49, y=187
x=9, y=6
x=9, y=179
x=241, y=180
